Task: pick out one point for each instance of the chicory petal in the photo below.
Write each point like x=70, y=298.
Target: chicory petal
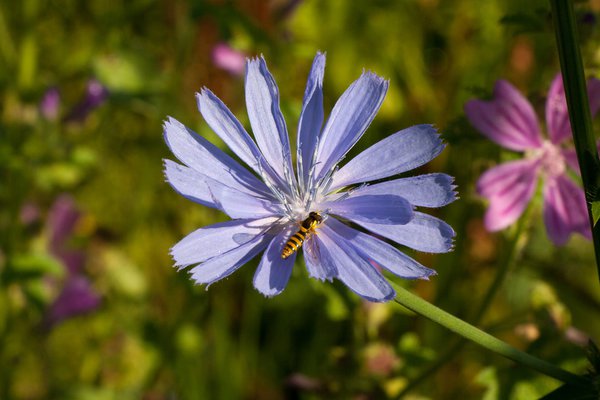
x=405, y=150
x=273, y=272
x=349, y=119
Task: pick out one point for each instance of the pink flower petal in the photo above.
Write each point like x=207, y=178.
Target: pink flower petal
x=508, y=119
x=509, y=188
x=593, y=87
x=503, y=177
x=557, y=113
x=570, y=156
x=229, y=59
x=565, y=210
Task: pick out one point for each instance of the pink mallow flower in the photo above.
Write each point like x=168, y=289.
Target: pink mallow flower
x=229, y=59
x=509, y=120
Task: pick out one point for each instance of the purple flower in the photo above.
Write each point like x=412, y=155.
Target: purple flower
x=30, y=213
x=62, y=217
x=509, y=120
x=50, y=104
x=95, y=95
x=77, y=295
x=268, y=205
x=228, y=59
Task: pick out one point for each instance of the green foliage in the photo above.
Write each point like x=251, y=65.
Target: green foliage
x=596, y=211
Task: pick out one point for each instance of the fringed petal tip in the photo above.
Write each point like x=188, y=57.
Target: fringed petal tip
x=319, y=65
x=437, y=137
x=178, y=265
x=167, y=123
x=403, y=151
x=453, y=185
x=449, y=237
x=256, y=58
x=454, y=193
x=429, y=190
x=372, y=76
x=164, y=170
x=426, y=277
x=427, y=273
x=204, y=91
x=172, y=122
x=321, y=278
x=449, y=242
x=255, y=61
x=168, y=164
x=452, y=246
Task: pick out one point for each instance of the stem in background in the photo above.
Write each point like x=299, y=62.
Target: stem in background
x=515, y=246
x=7, y=46
x=579, y=108
x=28, y=47
x=460, y=327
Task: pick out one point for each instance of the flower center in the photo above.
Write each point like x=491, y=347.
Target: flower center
x=552, y=161
x=298, y=212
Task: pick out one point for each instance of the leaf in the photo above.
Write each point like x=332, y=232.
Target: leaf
x=593, y=355
x=34, y=265
x=591, y=390
x=596, y=211
x=573, y=392
x=526, y=22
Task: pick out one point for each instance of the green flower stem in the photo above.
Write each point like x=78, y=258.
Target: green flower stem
x=579, y=108
x=460, y=327
x=514, y=246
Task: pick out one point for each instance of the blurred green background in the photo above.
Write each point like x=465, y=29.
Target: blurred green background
x=90, y=306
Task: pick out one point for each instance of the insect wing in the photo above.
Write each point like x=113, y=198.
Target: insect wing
x=312, y=250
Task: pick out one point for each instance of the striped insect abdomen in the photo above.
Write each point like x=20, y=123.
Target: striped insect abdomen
x=294, y=243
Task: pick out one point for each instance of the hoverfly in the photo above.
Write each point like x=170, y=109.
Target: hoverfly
x=307, y=227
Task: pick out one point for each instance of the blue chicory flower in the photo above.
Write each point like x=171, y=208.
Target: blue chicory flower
x=268, y=206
